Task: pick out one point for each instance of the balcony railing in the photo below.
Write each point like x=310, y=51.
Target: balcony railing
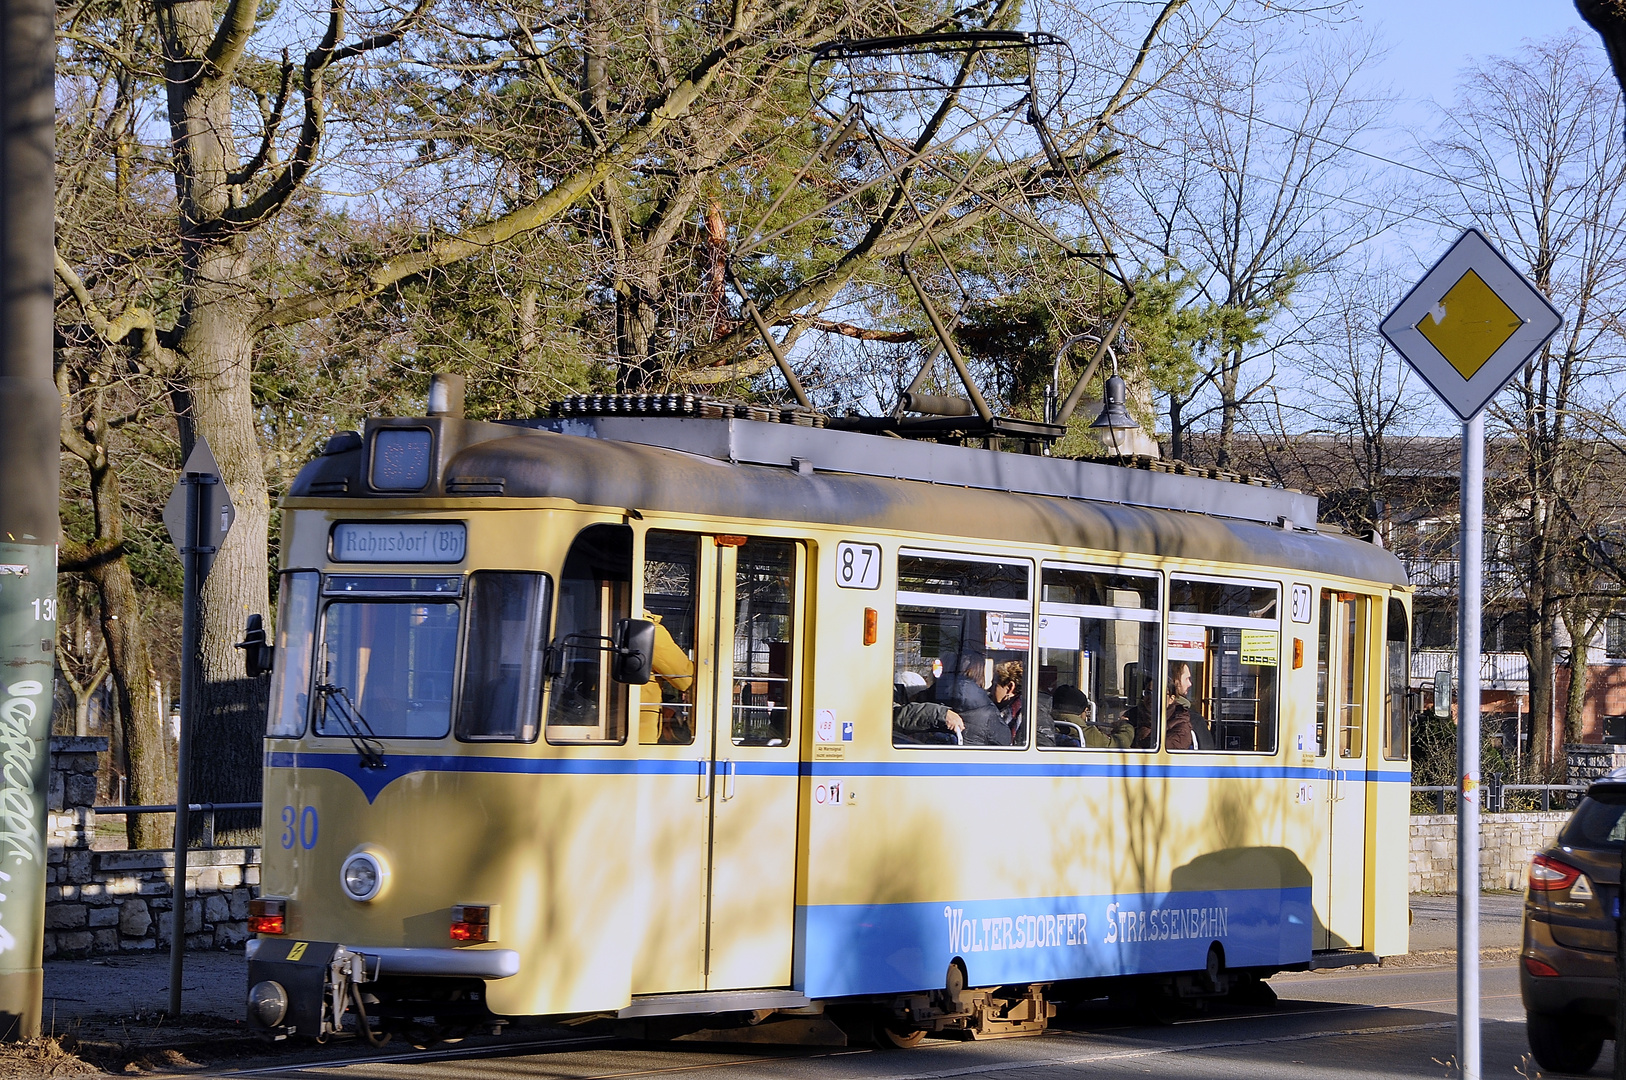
x=1497, y=670
x=1439, y=576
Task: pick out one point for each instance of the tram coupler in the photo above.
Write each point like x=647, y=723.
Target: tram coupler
x=977, y=1014
x=305, y=987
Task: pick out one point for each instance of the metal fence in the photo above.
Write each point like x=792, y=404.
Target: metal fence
x=208, y=811
x=1500, y=798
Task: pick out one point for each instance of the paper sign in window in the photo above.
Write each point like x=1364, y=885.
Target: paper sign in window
x=1189, y=643
x=1059, y=632
x=1259, y=647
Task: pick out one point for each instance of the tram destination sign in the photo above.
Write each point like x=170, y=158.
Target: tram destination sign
x=1470, y=324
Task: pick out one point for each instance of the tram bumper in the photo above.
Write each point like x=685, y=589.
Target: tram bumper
x=308, y=988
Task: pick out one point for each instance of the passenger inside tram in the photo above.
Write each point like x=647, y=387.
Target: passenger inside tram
x=1186, y=728
x=918, y=719
x=1007, y=695
x=1143, y=719
x=963, y=689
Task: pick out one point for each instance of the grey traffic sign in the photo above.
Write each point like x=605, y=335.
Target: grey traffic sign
x=215, y=510
x=1470, y=324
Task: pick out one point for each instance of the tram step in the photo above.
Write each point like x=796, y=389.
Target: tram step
x=1337, y=958
x=713, y=1001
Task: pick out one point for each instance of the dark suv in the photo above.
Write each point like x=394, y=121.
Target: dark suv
x=1567, y=966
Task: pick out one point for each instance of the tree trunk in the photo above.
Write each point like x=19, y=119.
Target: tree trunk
x=151, y=776
x=1230, y=379
x=229, y=722
x=1177, y=430
x=1543, y=656
x=1608, y=18
x=214, y=339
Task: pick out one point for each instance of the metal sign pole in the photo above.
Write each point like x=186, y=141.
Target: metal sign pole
x=1468, y=616
x=191, y=556
x=199, y=514
x=1467, y=328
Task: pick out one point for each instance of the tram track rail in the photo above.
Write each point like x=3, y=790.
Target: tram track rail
x=909, y=1063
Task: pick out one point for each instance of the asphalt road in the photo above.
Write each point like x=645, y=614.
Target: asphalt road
x=1367, y=1023
x=1389, y=1022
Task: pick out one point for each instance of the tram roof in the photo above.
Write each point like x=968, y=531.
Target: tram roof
x=780, y=472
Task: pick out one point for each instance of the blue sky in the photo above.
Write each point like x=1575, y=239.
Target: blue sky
x=1431, y=40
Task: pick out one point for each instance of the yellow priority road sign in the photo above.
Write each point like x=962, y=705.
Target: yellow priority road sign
x=1470, y=324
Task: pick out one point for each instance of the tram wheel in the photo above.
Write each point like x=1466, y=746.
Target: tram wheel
x=893, y=1038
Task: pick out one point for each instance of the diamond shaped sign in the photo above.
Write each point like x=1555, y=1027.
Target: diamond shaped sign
x=215, y=510
x=1470, y=324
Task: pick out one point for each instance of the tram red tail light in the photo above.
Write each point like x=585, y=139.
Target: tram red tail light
x=471, y=923
x=267, y=915
x=1539, y=968
x=1549, y=875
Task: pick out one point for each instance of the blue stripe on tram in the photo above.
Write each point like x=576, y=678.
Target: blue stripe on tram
x=373, y=781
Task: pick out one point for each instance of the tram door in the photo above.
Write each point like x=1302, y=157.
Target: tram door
x=1342, y=718
x=734, y=605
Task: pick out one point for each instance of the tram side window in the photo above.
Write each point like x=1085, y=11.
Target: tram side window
x=671, y=586
x=959, y=622
x=764, y=588
x=296, y=632
x=502, y=667
x=1397, y=732
x=595, y=591
x=1224, y=646
x=1098, y=659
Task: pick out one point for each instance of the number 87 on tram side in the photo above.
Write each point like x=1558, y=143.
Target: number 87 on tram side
x=670, y=712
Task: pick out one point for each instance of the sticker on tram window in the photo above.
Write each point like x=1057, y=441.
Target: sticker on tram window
x=399, y=541
x=1259, y=647
x=1301, y=603
x=858, y=566
x=1002, y=632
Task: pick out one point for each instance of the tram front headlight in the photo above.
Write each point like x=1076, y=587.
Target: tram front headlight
x=363, y=876
x=267, y=1003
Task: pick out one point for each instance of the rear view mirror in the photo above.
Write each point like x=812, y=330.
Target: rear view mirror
x=1442, y=694
x=634, y=651
x=257, y=651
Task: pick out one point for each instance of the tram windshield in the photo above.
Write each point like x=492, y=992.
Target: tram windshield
x=394, y=659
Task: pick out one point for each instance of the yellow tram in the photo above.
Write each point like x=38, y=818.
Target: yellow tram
x=476, y=807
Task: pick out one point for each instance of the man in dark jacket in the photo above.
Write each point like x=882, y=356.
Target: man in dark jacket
x=961, y=689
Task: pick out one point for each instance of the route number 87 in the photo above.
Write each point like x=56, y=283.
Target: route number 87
x=299, y=826
x=858, y=566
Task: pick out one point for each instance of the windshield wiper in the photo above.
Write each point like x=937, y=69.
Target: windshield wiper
x=336, y=700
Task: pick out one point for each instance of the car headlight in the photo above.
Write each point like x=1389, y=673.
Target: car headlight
x=363, y=876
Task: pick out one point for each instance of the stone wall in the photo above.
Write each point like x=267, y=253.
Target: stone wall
x=1506, y=843
x=99, y=902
